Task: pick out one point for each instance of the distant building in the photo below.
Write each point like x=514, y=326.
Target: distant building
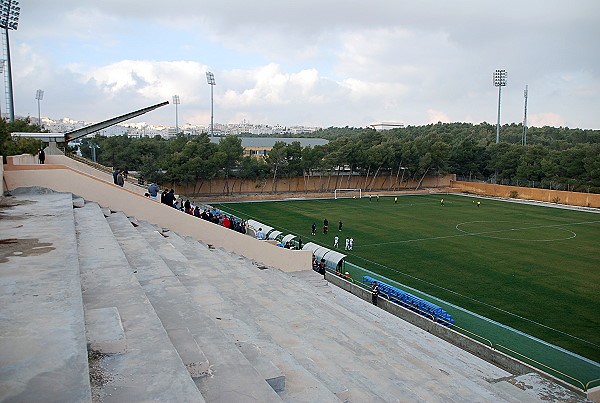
x=260, y=146
x=387, y=126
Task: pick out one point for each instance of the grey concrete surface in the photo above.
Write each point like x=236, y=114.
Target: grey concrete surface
x=232, y=377
x=104, y=331
x=43, y=353
x=205, y=275
x=192, y=356
x=336, y=350
x=151, y=369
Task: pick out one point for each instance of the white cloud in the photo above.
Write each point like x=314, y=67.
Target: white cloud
x=311, y=62
x=546, y=119
x=437, y=116
x=150, y=79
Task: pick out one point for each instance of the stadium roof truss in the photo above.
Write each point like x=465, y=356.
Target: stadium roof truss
x=89, y=129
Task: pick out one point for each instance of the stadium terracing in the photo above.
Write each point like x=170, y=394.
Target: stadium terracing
x=111, y=296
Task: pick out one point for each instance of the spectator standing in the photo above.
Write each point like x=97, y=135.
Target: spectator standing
x=322, y=267
x=374, y=293
x=153, y=190
x=42, y=156
x=120, y=179
x=170, y=198
x=115, y=175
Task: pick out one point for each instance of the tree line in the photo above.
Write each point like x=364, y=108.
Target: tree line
x=556, y=157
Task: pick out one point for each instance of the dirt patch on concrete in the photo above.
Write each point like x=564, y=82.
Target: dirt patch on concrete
x=8, y=203
x=15, y=247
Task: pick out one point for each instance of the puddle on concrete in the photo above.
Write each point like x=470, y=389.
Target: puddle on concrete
x=15, y=247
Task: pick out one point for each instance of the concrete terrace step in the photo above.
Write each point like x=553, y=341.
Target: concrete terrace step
x=151, y=369
x=43, y=354
x=420, y=370
x=232, y=377
x=193, y=267
x=262, y=302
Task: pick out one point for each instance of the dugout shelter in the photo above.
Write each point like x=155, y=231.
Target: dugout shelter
x=333, y=259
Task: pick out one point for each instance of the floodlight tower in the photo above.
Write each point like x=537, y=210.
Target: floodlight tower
x=39, y=95
x=499, y=81
x=1, y=72
x=9, y=19
x=176, y=102
x=525, y=94
x=210, y=77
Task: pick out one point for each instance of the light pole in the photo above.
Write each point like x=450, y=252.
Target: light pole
x=93, y=147
x=210, y=77
x=176, y=102
x=9, y=19
x=525, y=94
x=39, y=95
x=1, y=72
x=499, y=81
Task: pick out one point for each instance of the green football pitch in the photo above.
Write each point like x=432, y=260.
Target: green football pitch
x=533, y=268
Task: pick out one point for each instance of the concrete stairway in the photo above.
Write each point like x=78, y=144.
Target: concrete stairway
x=150, y=369
x=232, y=377
x=202, y=273
x=349, y=354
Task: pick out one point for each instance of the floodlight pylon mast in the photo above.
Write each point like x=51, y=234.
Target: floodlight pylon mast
x=210, y=78
x=499, y=81
x=525, y=94
x=176, y=102
x=39, y=95
x=9, y=19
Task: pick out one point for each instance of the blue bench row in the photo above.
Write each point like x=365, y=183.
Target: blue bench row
x=411, y=302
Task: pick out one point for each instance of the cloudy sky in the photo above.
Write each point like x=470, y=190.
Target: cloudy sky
x=313, y=63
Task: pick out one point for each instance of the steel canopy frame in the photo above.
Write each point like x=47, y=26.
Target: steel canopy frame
x=84, y=131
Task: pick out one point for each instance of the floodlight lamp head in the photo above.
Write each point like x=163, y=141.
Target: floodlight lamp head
x=39, y=95
x=210, y=78
x=500, y=78
x=176, y=100
x=9, y=18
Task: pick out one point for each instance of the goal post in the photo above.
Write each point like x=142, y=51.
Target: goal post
x=347, y=193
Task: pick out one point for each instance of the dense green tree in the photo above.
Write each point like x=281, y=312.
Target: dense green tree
x=10, y=146
x=552, y=157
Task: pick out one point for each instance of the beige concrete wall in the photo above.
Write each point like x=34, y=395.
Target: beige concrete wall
x=545, y=195
x=311, y=184
x=26, y=159
x=66, y=179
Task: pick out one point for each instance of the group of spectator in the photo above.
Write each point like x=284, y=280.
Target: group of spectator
x=216, y=217
x=169, y=198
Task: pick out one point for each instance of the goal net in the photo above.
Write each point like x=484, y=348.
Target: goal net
x=347, y=193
